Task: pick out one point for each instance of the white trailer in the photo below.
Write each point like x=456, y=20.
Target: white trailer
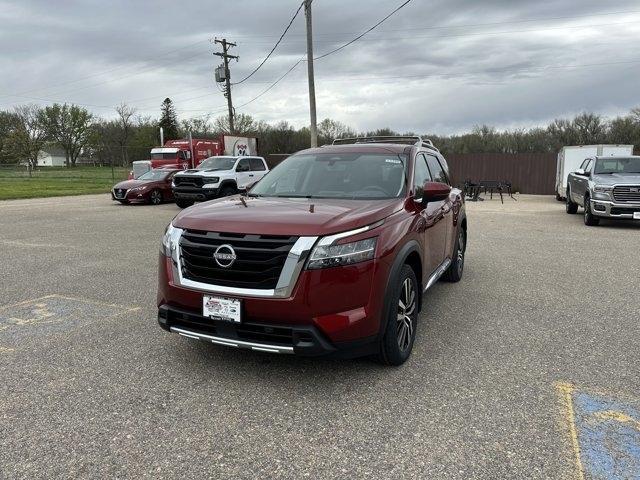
x=240, y=146
x=570, y=159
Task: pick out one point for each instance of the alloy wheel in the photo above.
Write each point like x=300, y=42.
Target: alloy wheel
x=406, y=309
x=156, y=197
x=460, y=252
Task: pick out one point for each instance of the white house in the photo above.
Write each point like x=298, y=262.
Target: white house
x=51, y=157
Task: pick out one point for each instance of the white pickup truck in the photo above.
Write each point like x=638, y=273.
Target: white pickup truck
x=217, y=177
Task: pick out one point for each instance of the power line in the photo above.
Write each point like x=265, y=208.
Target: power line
x=362, y=34
x=274, y=47
x=444, y=27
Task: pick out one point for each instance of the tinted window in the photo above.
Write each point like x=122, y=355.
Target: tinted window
x=437, y=172
x=257, y=165
x=617, y=165
x=243, y=165
x=217, y=163
x=421, y=175
x=340, y=175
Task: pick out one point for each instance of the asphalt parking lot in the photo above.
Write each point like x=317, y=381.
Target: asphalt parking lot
x=519, y=371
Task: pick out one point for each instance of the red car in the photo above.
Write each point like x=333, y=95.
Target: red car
x=153, y=187
x=328, y=254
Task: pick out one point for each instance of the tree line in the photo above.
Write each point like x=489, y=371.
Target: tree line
x=28, y=129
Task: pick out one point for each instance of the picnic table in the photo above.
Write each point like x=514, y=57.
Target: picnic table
x=473, y=189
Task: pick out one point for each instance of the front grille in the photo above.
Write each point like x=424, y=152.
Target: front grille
x=627, y=193
x=624, y=210
x=187, y=181
x=259, y=258
x=119, y=192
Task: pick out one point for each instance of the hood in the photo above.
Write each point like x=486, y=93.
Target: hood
x=285, y=216
x=617, y=179
x=202, y=173
x=128, y=184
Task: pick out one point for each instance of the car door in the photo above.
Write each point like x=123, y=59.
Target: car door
x=432, y=249
x=243, y=173
x=443, y=209
x=258, y=169
x=581, y=182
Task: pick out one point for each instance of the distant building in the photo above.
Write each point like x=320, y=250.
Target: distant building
x=51, y=157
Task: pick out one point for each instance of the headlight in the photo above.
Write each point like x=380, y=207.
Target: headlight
x=325, y=256
x=173, y=183
x=602, y=188
x=170, y=240
x=139, y=189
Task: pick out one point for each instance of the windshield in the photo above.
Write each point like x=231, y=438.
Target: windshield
x=164, y=156
x=155, y=175
x=217, y=163
x=617, y=165
x=344, y=175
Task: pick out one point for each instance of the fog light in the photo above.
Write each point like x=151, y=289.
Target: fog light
x=600, y=208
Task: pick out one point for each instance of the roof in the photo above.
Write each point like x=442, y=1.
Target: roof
x=360, y=148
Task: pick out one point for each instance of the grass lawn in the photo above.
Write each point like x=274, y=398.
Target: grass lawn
x=55, y=181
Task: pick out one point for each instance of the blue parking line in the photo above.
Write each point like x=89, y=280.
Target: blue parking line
x=608, y=435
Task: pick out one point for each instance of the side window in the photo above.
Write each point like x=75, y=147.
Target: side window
x=243, y=165
x=589, y=164
x=583, y=165
x=437, y=172
x=257, y=165
x=421, y=175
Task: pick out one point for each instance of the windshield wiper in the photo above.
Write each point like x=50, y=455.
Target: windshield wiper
x=293, y=196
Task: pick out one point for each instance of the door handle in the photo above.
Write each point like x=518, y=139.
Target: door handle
x=251, y=174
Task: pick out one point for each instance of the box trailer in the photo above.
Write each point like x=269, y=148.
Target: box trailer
x=571, y=157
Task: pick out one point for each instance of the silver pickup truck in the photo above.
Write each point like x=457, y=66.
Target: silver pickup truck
x=607, y=187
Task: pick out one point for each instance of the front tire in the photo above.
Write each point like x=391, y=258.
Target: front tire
x=400, y=333
x=572, y=207
x=155, y=197
x=184, y=203
x=454, y=272
x=589, y=218
x=227, y=191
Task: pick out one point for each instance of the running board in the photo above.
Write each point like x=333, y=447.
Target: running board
x=435, y=276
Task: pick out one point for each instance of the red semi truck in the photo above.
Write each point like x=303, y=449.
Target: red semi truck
x=187, y=154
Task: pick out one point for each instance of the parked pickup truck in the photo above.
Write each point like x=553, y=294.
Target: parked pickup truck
x=607, y=187
x=329, y=254
x=215, y=177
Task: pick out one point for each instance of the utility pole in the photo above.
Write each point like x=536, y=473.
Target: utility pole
x=227, y=76
x=312, y=87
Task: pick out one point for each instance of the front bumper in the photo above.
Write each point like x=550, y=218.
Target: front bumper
x=615, y=210
x=299, y=340
x=195, y=193
x=130, y=197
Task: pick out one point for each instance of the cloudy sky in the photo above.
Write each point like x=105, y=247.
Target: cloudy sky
x=437, y=66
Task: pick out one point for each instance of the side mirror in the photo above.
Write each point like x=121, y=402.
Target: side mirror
x=434, y=192
x=582, y=173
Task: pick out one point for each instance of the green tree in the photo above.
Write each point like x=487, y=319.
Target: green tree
x=8, y=124
x=244, y=125
x=70, y=127
x=168, y=120
x=28, y=136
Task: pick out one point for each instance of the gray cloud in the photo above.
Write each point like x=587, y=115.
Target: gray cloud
x=438, y=66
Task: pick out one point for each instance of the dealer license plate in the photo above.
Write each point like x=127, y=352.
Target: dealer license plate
x=636, y=215
x=220, y=308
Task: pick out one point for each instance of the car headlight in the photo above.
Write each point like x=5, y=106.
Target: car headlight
x=139, y=189
x=602, y=188
x=330, y=255
x=171, y=239
x=173, y=183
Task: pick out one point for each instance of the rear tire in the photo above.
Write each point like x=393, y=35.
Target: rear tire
x=184, y=203
x=589, y=218
x=454, y=272
x=400, y=333
x=572, y=207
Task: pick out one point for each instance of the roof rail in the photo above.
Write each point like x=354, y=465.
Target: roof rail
x=402, y=139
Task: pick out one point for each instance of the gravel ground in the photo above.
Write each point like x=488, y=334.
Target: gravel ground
x=91, y=387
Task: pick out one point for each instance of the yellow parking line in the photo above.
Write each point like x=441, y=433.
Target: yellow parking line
x=566, y=392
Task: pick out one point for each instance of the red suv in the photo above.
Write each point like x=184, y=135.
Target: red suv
x=328, y=254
